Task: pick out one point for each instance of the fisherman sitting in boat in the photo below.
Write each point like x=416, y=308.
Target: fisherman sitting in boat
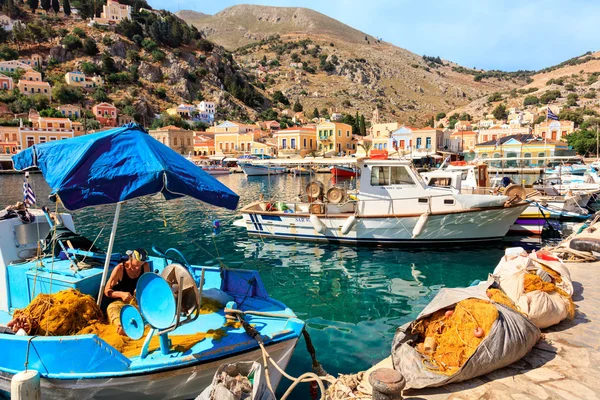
x=122, y=283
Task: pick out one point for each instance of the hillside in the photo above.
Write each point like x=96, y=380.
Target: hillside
x=571, y=86
x=149, y=64
x=342, y=68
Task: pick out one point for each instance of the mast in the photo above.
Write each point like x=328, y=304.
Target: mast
x=111, y=242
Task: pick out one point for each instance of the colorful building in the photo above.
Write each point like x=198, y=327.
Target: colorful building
x=401, y=140
x=262, y=148
x=30, y=87
x=184, y=111
x=46, y=130
x=204, y=146
x=298, y=140
x=6, y=82
x=463, y=141
x=554, y=130
x=178, y=139
x=335, y=137
x=79, y=79
x=501, y=131
x=427, y=141
x=106, y=114
x=70, y=110
x=13, y=66
x=381, y=135
x=233, y=138
x=533, y=149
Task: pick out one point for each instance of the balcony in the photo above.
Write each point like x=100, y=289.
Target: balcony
x=324, y=138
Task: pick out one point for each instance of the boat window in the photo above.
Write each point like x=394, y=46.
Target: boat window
x=424, y=200
x=400, y=176
x=380, y=176
x=449, y=201
x=440, y=182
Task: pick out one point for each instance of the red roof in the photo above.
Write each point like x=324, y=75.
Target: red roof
x=170, y=128
x=461, y=133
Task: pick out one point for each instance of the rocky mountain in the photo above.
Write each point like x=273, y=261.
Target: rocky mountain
x=323, y=63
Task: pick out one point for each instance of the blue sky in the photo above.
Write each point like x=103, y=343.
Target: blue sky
x=502, y=34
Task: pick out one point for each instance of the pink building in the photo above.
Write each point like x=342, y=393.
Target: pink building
x=106, y=114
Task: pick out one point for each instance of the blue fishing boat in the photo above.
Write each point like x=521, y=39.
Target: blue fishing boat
x=112, y=167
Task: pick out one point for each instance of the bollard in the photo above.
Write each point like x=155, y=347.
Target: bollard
x=387, y=384
x=25, y=385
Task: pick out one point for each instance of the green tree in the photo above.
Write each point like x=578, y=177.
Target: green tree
x=494, y=97
x=72, y=42
x=67, y=7
x=298, y=107
x=51, y=113
x=363, y=126
x=45, y=5
x=500, y=111
x=572, y=99
x=66, y=94
x=583, y=140
x=550, y=96
x=315, y=113
x=33, y=5
x=90, y=47
x=279, y=97
x=530, y=100
x=55, y=6
x=440, y=116
x=89, y=68
x=100, y=96
x=108, y=64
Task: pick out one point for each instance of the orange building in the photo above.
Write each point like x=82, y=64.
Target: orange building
x=46, y=130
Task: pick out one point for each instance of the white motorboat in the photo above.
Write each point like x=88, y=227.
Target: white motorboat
x=215, y=170
x=393, y=206
x=251, y=169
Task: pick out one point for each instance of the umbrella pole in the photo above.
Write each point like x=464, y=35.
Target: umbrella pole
x=111, y=242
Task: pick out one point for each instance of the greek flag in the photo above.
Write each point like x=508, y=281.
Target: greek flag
x=28, y=195
x=551, y=115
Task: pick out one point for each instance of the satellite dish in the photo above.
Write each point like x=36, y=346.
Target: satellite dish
x=132, y=322
x=156, y=300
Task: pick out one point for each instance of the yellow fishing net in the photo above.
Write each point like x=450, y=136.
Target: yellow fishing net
x=498, y=296
x=454, y=335
x=532, y=282
x=60, y=314
x=69, y=312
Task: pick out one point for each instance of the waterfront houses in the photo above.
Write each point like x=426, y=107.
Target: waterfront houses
x=234, y=138
x=381, y=135
x=179, y=139
x=106, y=114
x=264, y=147
x=463, y=141
x=427, y=141
x=501, y=131
x=554, y=130
x=203, y=145
x=528, y=146
x=296, y=140
x=46, y=130
x=401, y=140
x=184, y=111
x=335, y=137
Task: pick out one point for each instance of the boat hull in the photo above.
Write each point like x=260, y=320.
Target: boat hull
x=261, y=170
x=447, y=228
x=343, y=172
x=182, y=383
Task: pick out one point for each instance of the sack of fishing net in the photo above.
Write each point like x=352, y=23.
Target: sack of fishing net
x=463, y=333
x=242, y=380
x=539, y=284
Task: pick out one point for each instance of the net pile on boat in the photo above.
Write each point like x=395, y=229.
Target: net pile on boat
x=461, y=334
x=539, y=284
x=70, y=312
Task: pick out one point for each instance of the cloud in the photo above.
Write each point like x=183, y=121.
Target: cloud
x=502, y=34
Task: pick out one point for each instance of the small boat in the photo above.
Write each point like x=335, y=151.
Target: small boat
x=300, y=171
x=251, y=169
x=573, y=169
x=342, y=171
x=215, y=170
x=393, y=206
x=84, y=366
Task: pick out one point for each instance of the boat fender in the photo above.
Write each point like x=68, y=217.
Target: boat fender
x=317, y=224
x=585, y=244
x=25, y=385
x=418, y=229
x=349, y=224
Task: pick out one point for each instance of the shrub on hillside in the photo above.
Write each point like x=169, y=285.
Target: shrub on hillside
x=67, y=94
x=89, y=47
x=72, y=43
x=79, y=32
x=531, y=101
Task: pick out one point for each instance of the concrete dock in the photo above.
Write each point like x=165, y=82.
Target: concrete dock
x=564, y=364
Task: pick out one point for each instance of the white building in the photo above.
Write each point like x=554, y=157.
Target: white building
x=113, y=13
x=13, y=65
x=206, y=111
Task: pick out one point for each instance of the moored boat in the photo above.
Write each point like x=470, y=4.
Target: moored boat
x=215, y=170
x=393, y=206
x=342, y=171
x=251, y=169
x=87, y=365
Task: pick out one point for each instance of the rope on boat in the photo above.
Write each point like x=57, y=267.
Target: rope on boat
x=304, y=378
x=563, y=250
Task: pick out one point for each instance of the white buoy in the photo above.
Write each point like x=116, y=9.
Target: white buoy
x=25, y=385
x=317, y=224
x=420, y=224
x=348, y=225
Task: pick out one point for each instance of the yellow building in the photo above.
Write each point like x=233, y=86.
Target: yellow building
x=381, y=135
x=530, y=147
x=78, y=79
x=554, y=130
x=204, y=146
x=267, y=148
x=234, y=138
x=335, y=137
x=29, y=88
x=427, y=140
x=297, y=140
x=70, y=110
x=46, y=130
x=178, y=139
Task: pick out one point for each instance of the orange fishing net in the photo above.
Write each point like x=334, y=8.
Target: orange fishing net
x=60, y=314
x=454, y=337
x=498, y=296
x=532, y=282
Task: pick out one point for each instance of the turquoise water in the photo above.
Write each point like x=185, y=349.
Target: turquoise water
x=352, y=299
